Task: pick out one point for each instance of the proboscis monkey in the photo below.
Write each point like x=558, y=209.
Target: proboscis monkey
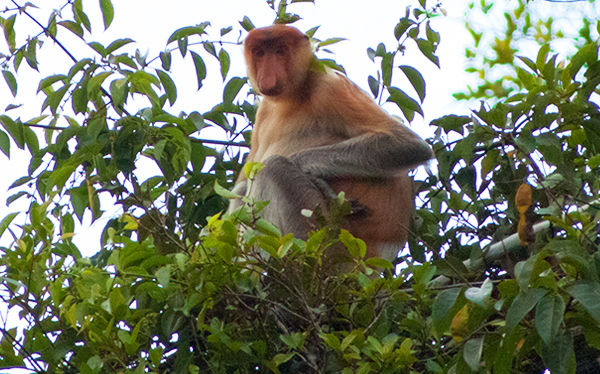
x=317, y=134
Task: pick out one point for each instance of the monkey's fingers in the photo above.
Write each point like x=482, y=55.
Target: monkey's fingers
x=322, y=186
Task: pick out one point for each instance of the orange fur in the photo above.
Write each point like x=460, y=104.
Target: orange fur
x=303, y=108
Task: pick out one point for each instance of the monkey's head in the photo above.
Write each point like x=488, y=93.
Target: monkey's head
x=278, y=59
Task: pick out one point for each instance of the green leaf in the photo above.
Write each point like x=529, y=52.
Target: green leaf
x=523, y=304
x=549, y=316
x=549, y=72
x=224, y=60
x=31, y=140
x=226, y=30
x=530, y=64
x=46, y=82
x=472, y=353
x=416, y=79
x=12, y=106
x=451, y=266
x=587, y=54
x=381, y=263
x=117, y=44
x=98, y=48
x=168, y=85
x=14, y=129
x=527, y=79
x=247, y=24
x=200, y=68
x=402, y=26
x=223, y=192
x=9, y=32
x=184, y=32
x=142, y=82
x=373, y=86
x=163, y=276
x=444, y=307
x=387, y=62
x=210, y=48
x=54, y=99
x=118, y=93
x=588, y=294
x=4, y=143
x=232, y=89
x=11, y=81
x=571, y=252
x=79, y=200
x=452, y=123
x=480, y=296
x=405, y=103
x=432, y=36
x=197, y=120
x=95, y=82
x=331, y=340
x=74, y=27
x=60, y=176
x=559, y=357
x=267, y=228
x=293, y=341
x=330, y=41
x=30, y=53
x=108, y=12
x=323, y=63
x=6, y=221
x=165, y=59
x=182, y=44
x=16, y=196
x=282, y=358
x=428, y=50
x=524, y=271
x=80, y=15
x=356, y=247
x=540, y=61
x=505, y=353
x=79, y=100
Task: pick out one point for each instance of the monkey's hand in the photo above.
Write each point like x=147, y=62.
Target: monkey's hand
x=357, y=210
x=321, y=185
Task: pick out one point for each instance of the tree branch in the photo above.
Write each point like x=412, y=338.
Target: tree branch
x=494, y=252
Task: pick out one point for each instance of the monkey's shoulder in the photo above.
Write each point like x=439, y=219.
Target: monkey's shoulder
x=337, y=94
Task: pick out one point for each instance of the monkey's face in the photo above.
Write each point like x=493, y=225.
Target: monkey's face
x=277, y=57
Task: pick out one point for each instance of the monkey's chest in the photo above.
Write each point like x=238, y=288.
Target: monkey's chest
x=289, y=144
x=293, y=135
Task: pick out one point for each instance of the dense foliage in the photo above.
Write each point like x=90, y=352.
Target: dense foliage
x=502, y=274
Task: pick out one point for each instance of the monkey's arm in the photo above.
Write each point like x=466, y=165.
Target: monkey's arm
x=368, y=155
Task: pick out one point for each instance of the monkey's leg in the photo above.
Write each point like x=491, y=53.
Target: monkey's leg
x=289, y=191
